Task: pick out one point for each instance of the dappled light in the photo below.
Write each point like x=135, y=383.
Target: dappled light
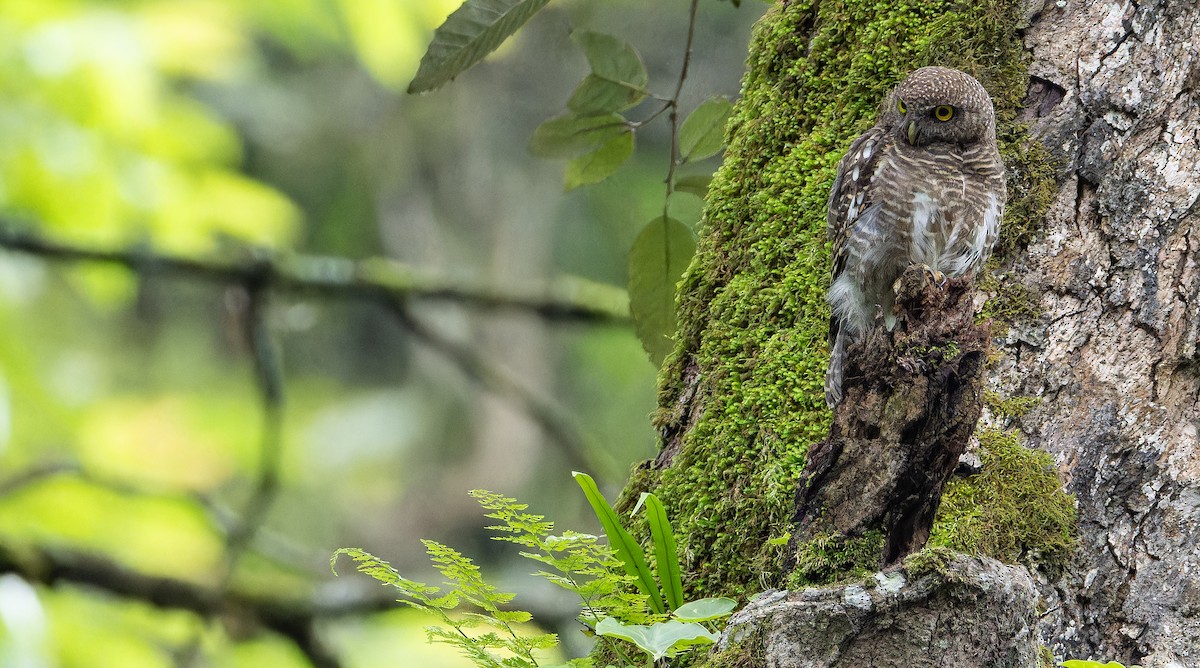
x=258, y=303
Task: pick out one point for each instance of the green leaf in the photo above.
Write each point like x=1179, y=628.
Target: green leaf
x=368, y=564
x=583, y=662
x=658, y=640
x=703, y=132
x=666, y=555
x=704, y=609
x=569, y=135
x=595, y=95
x=695, y=184
x=659, y=256
x=1079, y=663
x=628, y=552
x=474, y=30
x=600, y=164
x=618, y=79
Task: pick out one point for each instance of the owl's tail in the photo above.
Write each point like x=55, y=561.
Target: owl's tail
x=835, y=373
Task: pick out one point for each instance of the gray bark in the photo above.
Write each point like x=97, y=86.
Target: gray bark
x=975, y=613
x=1113, y=355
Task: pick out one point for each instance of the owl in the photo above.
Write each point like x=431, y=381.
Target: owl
x=924, y=186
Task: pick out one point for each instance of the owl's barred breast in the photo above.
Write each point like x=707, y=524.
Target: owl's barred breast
x=948, y=223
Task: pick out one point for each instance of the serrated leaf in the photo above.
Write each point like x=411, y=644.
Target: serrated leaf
x=659, y=256
x=666, y=554
x=618, y=79
x=474, y=30
x=703, y=132
x=569, y=135
x=659, y=640
x=694, y=184
x=628, y=552
x=704, y=609
x=599, y=164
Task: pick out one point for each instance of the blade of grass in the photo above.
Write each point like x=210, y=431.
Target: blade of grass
x=624, y=546
x=665, y=553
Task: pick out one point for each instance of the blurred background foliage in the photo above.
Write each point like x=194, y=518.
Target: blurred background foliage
x=130, y=419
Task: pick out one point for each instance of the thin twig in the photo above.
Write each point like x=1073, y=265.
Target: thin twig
x=673, y=103
x=493, y=378
x=371, y=280
x=268, y=373
x=268, y=544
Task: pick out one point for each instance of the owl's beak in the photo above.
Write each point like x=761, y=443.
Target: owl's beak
x=912, y=133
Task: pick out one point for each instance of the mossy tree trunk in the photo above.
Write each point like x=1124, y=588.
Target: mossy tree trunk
x=1095, y=290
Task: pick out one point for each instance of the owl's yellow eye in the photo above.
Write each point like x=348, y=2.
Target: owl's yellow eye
x=900, y=106
x=943, y=112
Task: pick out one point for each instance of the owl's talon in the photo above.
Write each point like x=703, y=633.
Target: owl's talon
x=938, y=278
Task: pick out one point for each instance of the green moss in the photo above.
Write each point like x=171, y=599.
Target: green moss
x=1009, y=407
x=831, y=558
x=934, y=356
x=1045, y=657
x=752, y=314
x=1031, y=188
x=747, y=652
x=928, y=560
x=1008, y=302
x=1014, y=509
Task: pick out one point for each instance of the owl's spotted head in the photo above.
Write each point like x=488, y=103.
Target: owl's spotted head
x=939, y=104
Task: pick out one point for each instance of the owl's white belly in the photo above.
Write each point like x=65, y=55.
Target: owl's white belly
x=881, y=253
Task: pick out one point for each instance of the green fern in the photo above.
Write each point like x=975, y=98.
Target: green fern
x=476, y=618
x=581, y=563
x=481, y=630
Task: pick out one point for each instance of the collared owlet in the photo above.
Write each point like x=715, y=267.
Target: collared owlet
x=925, y=186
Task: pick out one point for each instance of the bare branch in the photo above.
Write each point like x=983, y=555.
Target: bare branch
x=552, y=419
x=673, y=104
x=293, y=618
x=379, y=280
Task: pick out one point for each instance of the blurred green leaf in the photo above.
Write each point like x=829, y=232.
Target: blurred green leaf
x=703, y=132
x=694, y=184
x=159, y=536
x=569, y=135
x=660, y=255
x=618, y=79
x=595, y=95
x=599, y=164
x=474, y=30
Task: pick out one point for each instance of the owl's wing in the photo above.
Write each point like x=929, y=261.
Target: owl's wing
x=850, y=196
x=849, y=200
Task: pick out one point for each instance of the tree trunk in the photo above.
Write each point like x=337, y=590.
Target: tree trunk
x=1112, y=352
x=1096, y=294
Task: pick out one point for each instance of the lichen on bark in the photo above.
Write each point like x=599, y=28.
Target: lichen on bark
x=741, y=397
